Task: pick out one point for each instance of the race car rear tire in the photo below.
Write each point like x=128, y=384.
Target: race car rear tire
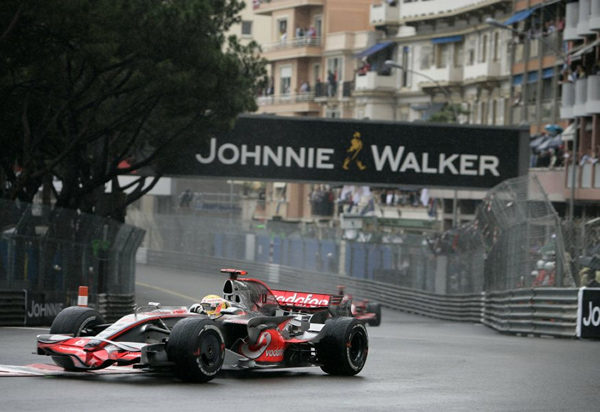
x=376, y=309
x=344, y=346
x=76, y=321
x=197, y=348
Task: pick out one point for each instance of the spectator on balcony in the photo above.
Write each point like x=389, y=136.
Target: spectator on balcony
x=304, y=87
x=580, y=72
x=331, y=83
x=299, y=34
x=283, y=38
x=365, y=68
x=311, y=35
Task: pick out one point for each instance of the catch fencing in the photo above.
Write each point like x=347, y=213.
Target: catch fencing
x=50, y=252
x=539, y=311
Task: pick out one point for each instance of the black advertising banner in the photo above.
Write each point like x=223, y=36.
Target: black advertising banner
x=42, y=308
x=588, y=313
x=360, y=152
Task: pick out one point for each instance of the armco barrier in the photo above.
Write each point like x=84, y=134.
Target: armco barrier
x=540, y=311
x=12, y=307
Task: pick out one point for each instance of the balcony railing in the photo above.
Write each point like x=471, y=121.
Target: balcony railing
x=293, y=43
x=269, y=6
x=580, y=97
x=592, y=104
x=587, y=176
x=372, y=81
x=568, y=101
x=571, y=19
x=594, y=23
x=583, y=24
x=276, y=99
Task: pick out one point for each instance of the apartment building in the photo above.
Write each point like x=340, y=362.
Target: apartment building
x=310, y=54
x=581, y=105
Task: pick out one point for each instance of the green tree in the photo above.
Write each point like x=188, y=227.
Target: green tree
x=92, y=89
x=448, y=114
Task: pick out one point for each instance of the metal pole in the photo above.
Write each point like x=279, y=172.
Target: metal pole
x=573, y=175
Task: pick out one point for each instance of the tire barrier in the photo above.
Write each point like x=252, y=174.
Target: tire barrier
x=112, y=307
x=12, y=307
x=539, y=311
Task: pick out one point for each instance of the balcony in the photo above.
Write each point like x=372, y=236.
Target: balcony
x=592, y=104
x=293, y=48
x=571, y=20
x=373, y=81
x=482, y=72
x=587, y=181
x=384, y=14
x=441, y=75
x=568, y=101
x=594, y=23
x=580, y=97
x=267, y=7
x=583, y=25
x=288, y=103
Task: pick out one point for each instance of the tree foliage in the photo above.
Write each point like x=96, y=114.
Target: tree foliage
x=96, y=88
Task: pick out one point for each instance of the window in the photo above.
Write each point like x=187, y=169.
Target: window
x=496, y=46
x=470, y=57
x=458, y=54
x=425, y=57
x=483, y=56
x=246, y=28
x=334, y=64
x=441, y=55
x=282, y=26
x=333, y=113
x=285, y=76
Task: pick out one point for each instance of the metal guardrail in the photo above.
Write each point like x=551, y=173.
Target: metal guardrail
x=12, y=307
x=540, y=311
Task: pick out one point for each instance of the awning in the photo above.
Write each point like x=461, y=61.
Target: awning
x=374, y=49
x=569, y=132
x=517, y=80
x=532, y=77
x=548, y=73
x=450, y=39
x=519, y=16
x=587, y=48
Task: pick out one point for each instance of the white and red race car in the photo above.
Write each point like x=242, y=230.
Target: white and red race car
x=259, y=328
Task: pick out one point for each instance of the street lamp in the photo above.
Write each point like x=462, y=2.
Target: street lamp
x=391, y=63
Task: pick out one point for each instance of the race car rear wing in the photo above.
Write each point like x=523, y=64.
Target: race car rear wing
x=305, y=301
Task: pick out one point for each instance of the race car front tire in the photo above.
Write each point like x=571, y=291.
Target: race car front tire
x=343, y=348
x=76, y=321
x=197, y=349
x=376, y=309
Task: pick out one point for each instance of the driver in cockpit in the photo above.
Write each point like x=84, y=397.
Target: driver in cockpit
x=215, y=306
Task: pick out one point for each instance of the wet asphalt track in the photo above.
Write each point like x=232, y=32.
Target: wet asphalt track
x=414, y=364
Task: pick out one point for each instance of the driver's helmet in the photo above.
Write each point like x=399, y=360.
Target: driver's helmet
x=213, y=304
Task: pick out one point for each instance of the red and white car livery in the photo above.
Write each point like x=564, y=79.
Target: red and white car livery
x=260, y=328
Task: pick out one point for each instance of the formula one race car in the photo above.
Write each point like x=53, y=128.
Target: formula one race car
x=251, y=326
x=364, y=310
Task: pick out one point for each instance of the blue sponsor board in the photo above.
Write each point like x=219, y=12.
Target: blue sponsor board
x=588, y=313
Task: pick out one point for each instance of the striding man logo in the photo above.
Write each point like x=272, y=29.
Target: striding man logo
x=356, y=145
